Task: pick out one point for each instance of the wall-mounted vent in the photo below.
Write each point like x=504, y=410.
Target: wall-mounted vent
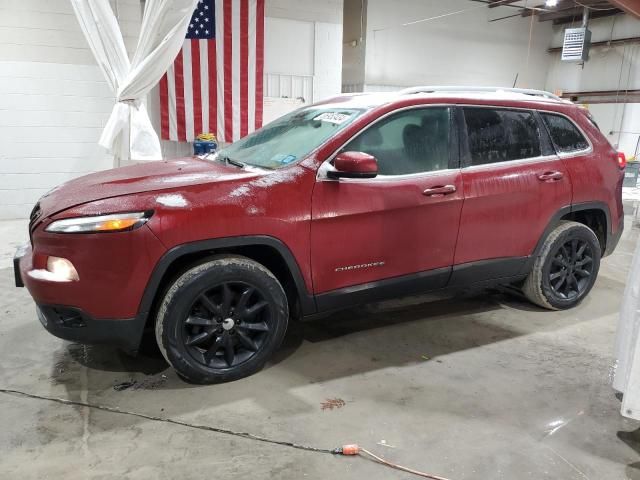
x=576, y=45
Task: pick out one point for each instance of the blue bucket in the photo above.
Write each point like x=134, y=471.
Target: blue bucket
x=202, y=148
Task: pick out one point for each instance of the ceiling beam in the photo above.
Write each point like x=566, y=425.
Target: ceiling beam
x=527, y=12
x=592, y=15
x=632, y=7
x=604, y=96
x=499, y=3
x=593, y=3
x=568, y=12
x=597, y=93
x=606, y=43
x=489, y=2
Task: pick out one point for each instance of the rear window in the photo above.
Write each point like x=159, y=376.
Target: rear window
x=496, y=135
x=566, y=137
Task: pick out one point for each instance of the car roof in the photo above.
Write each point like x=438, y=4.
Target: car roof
x=457, y=95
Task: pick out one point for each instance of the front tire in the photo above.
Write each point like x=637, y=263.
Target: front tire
x=222, y=320
x=566, y=268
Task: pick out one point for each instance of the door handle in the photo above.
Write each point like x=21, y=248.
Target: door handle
x=550, y=176
x=439, y=190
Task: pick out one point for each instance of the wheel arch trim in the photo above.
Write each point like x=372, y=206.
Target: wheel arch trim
x=555, y=221
x=307, y=301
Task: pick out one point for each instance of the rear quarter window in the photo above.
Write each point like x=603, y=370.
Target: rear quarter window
x=566, y=137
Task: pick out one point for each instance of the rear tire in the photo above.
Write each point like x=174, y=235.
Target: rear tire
x=566, y=268
x=222, y=320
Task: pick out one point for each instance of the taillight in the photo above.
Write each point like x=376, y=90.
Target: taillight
x=622, y=160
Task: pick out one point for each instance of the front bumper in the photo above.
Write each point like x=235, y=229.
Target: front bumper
x=70, y=323
x=102, y=307
x=74, y=324
x=113, y=270
x=20, y=252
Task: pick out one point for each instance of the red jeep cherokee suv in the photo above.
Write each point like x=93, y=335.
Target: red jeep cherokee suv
x=355, y=199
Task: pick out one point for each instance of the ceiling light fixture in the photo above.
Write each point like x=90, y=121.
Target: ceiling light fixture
x=551, y=3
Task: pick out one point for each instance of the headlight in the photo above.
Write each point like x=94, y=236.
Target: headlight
x=117, y=222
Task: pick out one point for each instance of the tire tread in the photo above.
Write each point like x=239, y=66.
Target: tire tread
x=532, y=287
x=216, y=262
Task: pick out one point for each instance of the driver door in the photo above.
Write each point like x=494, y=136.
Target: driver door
x=395, y=233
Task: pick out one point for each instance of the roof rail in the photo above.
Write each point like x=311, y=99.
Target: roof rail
x=524, y=91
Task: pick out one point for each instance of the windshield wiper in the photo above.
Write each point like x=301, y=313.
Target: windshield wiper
x=229, y=161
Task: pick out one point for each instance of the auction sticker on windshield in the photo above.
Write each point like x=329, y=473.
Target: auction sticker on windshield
x=333, y=117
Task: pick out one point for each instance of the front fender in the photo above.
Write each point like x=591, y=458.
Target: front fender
x=307, y=301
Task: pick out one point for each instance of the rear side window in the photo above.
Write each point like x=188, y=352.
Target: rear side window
x=564, y=134
x=496, y=135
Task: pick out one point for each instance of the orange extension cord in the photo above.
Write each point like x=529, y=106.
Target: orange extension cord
x=344, y=450
x=356, y=450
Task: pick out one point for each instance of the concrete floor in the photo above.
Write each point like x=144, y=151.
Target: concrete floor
x=481, y=386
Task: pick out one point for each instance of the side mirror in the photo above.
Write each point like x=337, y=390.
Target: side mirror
x=354, y=165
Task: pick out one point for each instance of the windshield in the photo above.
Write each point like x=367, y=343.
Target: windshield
x=289, y=138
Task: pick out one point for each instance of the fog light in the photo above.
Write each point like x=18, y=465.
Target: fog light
x=62, y=269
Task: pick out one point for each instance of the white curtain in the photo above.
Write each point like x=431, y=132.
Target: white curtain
x=128, y=132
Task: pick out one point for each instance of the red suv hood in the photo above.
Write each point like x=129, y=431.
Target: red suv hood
x=137, y=178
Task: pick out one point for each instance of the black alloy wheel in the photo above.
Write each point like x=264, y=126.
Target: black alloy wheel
x=571, y=269
x=227, y=325
x=222, y=320
x=565, y=268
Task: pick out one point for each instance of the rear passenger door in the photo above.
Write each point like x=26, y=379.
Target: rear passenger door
x=513, y=185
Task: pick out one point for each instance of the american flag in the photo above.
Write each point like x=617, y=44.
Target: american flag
x=216, y=82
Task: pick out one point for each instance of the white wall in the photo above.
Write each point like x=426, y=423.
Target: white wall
x=289, y=75
x=328, y=11
x=454, y=49
x=53, y=99
x=289, y=46
x=327, y=65
x=609, y=68
x=303, y=44
x=303, y=58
